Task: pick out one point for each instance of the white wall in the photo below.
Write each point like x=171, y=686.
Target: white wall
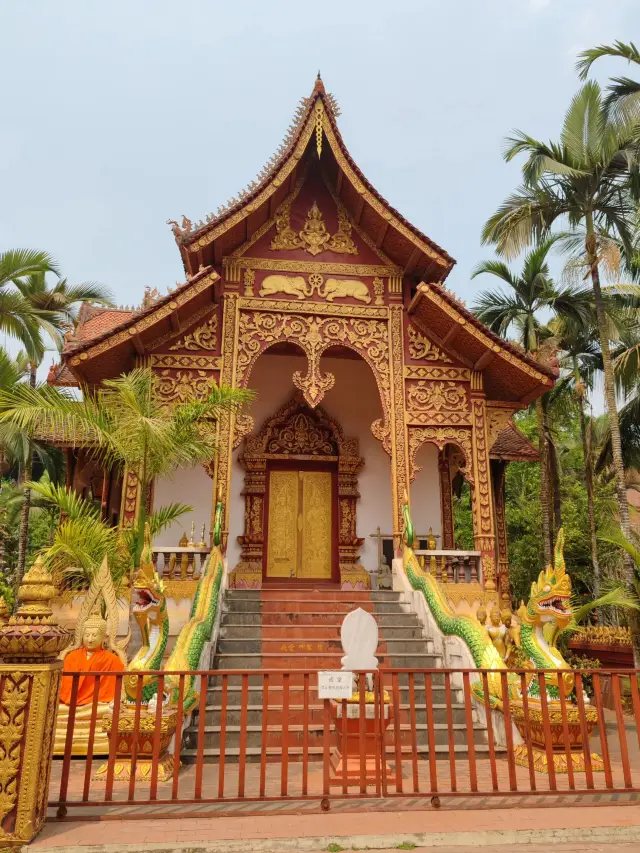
x=191, y=486
x=425, y=493
x=354, y=402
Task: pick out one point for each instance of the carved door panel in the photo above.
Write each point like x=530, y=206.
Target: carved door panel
x=282, y=554
x=315, y=538
x=300, y=524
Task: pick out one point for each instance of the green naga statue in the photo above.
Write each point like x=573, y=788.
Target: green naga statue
x=150, y=613
x=547, y=613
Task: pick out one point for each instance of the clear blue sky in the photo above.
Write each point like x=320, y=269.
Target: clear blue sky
x=121, y=115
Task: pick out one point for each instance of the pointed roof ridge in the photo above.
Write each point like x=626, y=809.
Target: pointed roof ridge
x=254, y=187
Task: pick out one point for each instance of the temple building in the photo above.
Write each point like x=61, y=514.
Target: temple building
x=372, y=380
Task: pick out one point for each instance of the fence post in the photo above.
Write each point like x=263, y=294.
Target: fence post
x=30, y=675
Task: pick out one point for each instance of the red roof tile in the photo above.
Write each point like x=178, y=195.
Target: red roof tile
x=511, y=444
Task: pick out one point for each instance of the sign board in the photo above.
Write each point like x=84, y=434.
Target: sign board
x=335, y=685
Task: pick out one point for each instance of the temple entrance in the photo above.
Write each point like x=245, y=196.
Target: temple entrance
x=300, y=510
x=300, y=491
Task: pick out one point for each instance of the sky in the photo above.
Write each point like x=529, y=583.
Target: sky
x=121, y=115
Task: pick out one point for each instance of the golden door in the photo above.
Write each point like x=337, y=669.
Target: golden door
x=300, y=516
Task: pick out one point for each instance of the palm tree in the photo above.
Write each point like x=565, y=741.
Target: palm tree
x=54, y=308
x=530, y=292
x=18, y=318
x=581, y=360
x=127, y=426
x=586, y=179
x=623, y=92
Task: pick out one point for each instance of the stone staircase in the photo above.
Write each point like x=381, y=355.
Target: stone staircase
x=298, y=629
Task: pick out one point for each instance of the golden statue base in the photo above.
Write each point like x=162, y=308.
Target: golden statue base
x=541, y=763
x=532, y=731
x=144, y=769
x=126, y=739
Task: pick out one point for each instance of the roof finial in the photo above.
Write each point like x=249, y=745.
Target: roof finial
x=319, y=75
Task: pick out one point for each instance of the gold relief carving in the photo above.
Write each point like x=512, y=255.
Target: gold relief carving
x=193, y=318
x=422, y=349
x=184, y=386
x=180, y=589
x=234, y=265
x=399, y=458
x=130, y=497
x=199, y=362
x=497, y=419
x=437, y=396
x=484, y=530
x=434, y=371
x=249, y=281
x=378, y=289
x=15, y=692
x=290, y=285
x=226, y=423
x=440, y=436
x=318, y=308
x=259, y=330
x=148, y=320
x=332, y=289
x=319, y=114
x=204, y=337
x=296, y=432
x=243, y=426
x=314, y=237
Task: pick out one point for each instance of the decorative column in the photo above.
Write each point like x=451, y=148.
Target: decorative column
x=130, y=498
x=482, y=499
x=248, y=573
x=30, y=675
x=446, y=507
x=498, y=471
x=226, y=424
x=399, y=454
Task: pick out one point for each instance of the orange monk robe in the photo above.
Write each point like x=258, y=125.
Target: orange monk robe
x=100, y=661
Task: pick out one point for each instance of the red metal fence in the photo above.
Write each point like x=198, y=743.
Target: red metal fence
x=265, y=735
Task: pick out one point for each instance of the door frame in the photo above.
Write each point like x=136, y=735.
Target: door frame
x=329, y=466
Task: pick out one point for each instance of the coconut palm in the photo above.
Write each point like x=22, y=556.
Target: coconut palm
x=518, y=309
x=623, y=92
x=126, y=425
x=588, y=179
x=581, y=360
x=54, y=308
x=19, y=318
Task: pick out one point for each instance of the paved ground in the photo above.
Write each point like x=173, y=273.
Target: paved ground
x=374, y=829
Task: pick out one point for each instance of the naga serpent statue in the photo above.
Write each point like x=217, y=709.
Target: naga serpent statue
x=150, y=612
x=197, y=632
x=547, y=613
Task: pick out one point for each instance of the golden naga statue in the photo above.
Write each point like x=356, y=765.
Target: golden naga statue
x=94, y=649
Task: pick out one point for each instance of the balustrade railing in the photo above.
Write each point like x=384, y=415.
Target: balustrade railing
x=450, y=566
x=177, y=563
x=242, y=736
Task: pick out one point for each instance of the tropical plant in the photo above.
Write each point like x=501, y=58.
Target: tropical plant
x=518, y=309
x=54, y=308
x=631, y=546
x=581, y=360
x=18, y=317
x=126, y=425
x=623, y=92
x=82, y=540
x=589, y=178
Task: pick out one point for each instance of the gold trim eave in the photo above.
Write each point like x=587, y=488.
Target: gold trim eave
x=306, y=306
x=233, y=266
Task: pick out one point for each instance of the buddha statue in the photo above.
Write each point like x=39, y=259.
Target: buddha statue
x=498, y=632
x=481, y=615
x=94, y=650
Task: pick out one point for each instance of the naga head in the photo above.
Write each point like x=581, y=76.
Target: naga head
x=149, y=603
x=550, y=600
